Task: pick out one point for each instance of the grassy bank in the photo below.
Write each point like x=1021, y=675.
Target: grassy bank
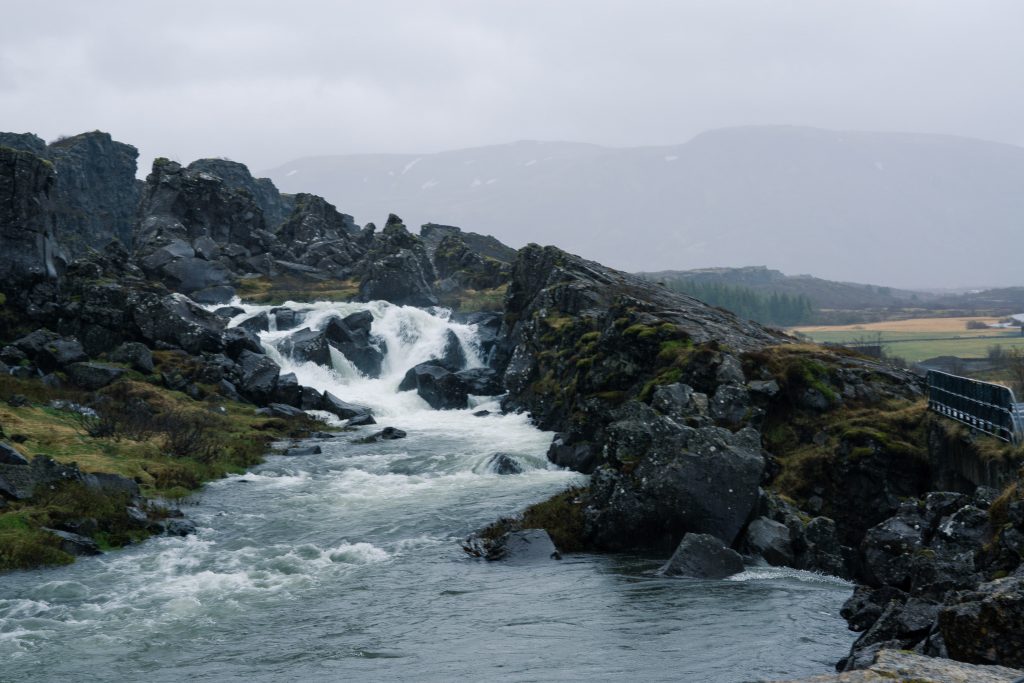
x=167, y=442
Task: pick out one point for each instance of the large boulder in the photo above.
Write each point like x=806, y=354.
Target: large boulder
x=93, y=376
x=525, y=546
x=307, y=345
x=351, y=336
x=176, y=320
x=702, y=556
x=259, y=377
x=442, y=389
x=343, y=409
x=664, y=480
x=771, y=540
x=135, y=355
x=984, y=625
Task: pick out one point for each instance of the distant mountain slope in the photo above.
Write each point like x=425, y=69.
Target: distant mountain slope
x=899, y=209
x=824, y=294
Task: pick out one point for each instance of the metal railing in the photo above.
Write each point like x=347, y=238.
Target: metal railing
x=986, y=407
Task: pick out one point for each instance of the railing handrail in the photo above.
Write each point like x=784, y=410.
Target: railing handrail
x=985, y=406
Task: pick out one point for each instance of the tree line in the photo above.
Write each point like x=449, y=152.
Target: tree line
x=769, y=308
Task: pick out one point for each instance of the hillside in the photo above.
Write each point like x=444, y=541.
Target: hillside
x=846, y=206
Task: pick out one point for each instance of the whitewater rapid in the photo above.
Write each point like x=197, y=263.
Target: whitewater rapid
x=346, y=566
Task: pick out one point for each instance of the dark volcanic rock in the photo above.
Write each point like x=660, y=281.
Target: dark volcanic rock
x=503, y=463
x=524, y=546
x=702, y=556
x=343, y=409
x=27, y=227
x=771, y=540
x=9, y=456
x=96, y=196
x=176, y=320
x=93, y=376
x=259, y=377
x=276, y=207
x=386, y=434
x=135, y=355
x=442, y=389
x=397, y=268
x=304, y=450
x=984, y=626
x=351, y=336
x=307, y=345
x=682, y=480
x=75, y=544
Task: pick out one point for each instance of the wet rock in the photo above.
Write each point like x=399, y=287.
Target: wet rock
x=452, y=358
x=285, y=318
x=304, y=450
x=771, y=540
x=888, y=548
x=442, y=389
x=236, y=340
x=287, y=390
x=307, y=345
x=351, y=336
x=503, y=463
x=361, y=420
x=386, y=434
x=343, y=409
x=93, y=376
x=135, y=355
x=280, y=410
x=581, y=456
x=525, y=546
x=257, y=323
x=702, y=556
x=179, y=527
x=259, y=377
x=74, y=544
x=481, y=381
x=481, y=413
x=228, y=312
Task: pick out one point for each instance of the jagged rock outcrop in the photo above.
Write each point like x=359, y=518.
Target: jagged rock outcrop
x=485, y=246
x=397, y=268
x=96, y=195
x=30, y=255
x=276, y=206
x=24, y=142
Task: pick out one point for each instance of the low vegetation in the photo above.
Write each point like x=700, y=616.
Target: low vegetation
x=276, y=291
x=167, y=442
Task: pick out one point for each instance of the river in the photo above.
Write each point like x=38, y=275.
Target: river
x=346, y=566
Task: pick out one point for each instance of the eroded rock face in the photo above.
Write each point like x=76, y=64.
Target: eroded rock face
x=30, y=250
x=96, y=195
x=276, y=207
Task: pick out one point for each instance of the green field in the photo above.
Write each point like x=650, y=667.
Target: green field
x=918, y=346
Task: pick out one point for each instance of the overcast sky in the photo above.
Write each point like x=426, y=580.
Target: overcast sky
x=265, y=82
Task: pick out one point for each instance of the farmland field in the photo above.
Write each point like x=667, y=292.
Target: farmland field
x=921, y=338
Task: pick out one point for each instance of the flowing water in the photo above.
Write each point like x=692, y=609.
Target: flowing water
x=346, y=566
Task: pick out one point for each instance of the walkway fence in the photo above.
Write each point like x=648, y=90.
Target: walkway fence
x=989, y=408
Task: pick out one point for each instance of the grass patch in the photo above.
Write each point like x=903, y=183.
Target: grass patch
x=276, y=291
x=561, y=516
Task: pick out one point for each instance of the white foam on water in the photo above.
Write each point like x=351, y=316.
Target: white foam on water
x=768, y=573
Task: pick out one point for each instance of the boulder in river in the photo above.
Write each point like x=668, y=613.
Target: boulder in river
x=702, y=556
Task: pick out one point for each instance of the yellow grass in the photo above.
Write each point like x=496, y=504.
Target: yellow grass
x=912, y=325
